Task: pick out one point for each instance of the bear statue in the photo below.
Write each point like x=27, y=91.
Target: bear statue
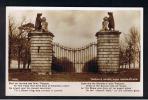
x=111, y=24
x=38, y=21
x=105, y=24
x=44, y=25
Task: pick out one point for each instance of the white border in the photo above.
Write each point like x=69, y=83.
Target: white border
x=73, y=8
x=79, y=8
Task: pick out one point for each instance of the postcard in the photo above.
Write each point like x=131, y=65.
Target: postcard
x=74, y=51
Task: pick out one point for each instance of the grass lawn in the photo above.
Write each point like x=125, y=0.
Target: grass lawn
x=130, y=75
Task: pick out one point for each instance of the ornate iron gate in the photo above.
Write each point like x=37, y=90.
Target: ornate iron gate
x=76, y=60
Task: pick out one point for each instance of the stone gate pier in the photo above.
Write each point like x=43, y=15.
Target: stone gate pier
x=41, y=51
x=108, y=51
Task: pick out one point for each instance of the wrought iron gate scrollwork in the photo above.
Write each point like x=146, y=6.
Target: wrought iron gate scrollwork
x=76, y=60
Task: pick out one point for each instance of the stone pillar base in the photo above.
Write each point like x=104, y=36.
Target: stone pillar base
x=41, y=52
x=108, y=51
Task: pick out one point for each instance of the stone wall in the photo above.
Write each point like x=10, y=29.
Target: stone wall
x=41, y=52
x=108, y=51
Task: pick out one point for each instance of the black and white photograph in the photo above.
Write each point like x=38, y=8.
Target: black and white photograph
x=89, y=46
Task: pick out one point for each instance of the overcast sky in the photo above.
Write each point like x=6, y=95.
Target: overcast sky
x=76, y=28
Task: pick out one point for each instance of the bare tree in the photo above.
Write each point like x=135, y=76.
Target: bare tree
x=24, y=29
x=12, y=28
x=18, y=41
x=123, y=58
x=133, y=45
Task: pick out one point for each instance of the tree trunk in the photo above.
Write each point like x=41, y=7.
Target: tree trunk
x=19, y=49
x=9, y=57
x=28, y=65
x=139, y=59
x=24, y=64
x=129, y=61
x=28, y=58
x=25, y=60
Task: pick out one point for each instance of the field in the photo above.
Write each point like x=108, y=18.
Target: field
x=130, y=75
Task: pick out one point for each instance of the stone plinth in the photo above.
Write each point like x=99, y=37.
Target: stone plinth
x=108, y=51
x=41, y=52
